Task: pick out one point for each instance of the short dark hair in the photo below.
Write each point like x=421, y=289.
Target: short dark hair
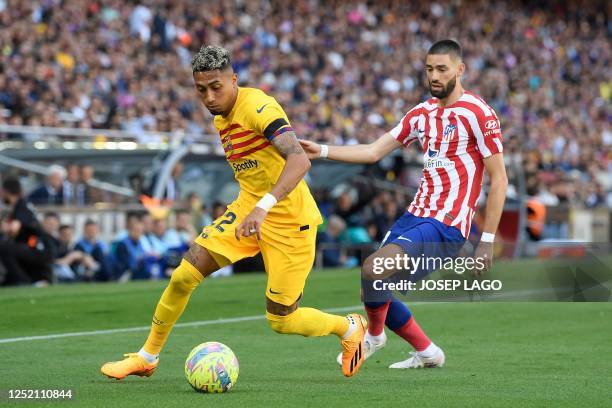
x=449, y=47
x=51, y=214
x=137, y=215
x=89, y=221
x=12, y=186
x=65, y=227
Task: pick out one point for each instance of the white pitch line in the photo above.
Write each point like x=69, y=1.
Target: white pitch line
x=143, y=328
x=188, y=324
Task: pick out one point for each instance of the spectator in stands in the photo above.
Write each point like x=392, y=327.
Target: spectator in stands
x=386, y=219
x=51, y=224
x=93, y=194
x=51, y=192
x=333, y=254
x=373, y=231
x=73, y=187
x=26, y=250
x=346, y=71
x=97, y=249
x=349, y=208
x=199, y=211
x=171, y=192
x=130, y=255
x=132, y=260
x=147, y=225
x=171, y=244
x=157, y=237
x=204, y=219
x=131, y=216
x=183, y=226
x=136, y=183
x=72, y=264
x=178, y=238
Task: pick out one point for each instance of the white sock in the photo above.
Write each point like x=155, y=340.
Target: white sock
x=151, y=358
x=351, y=329
x=376, y=339
x=430, y=351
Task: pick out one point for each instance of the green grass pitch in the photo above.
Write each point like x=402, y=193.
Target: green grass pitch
x=498, y=354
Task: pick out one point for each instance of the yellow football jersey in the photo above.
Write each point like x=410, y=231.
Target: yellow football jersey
x=256, y=163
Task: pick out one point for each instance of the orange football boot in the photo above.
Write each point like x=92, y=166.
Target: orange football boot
x=132, y=364
x=352, y=347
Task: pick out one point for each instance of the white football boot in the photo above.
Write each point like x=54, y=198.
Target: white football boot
x=370, y=346
x=417, y=360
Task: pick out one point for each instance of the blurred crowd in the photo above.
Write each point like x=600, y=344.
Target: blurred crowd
x=70, y=186
x=344, y=71
x=36, y=248
x=74, y=185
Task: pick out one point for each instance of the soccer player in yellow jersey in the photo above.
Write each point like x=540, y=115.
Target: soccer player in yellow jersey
x=274, y=214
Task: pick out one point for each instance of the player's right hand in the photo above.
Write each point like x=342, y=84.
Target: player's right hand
x=484, y=252
x=251, y=225
x=312, y=149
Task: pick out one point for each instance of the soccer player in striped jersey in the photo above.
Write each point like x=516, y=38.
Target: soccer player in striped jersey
x=460, y=137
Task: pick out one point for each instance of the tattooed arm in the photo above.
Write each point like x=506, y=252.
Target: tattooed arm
x=296, y=165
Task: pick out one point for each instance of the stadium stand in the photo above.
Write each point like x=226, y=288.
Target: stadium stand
x=344, y=77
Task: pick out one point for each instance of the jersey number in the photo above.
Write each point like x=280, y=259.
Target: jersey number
x=230, y=217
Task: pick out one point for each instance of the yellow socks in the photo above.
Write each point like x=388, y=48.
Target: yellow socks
x=184, y=280
x=308, y=322
x=305, y=321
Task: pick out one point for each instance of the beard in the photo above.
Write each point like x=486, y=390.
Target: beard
x=214, y=112
x=445, y=91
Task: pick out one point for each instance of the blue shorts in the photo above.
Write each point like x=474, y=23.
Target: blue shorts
x=425, y=237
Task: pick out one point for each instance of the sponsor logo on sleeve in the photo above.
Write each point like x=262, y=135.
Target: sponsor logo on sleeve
x=491, y=124
x=492, y=127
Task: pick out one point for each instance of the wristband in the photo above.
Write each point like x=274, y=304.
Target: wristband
x=324, y=151
x=487, y=237
x=267, y=202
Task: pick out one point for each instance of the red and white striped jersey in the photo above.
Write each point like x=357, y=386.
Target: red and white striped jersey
x=455, y=140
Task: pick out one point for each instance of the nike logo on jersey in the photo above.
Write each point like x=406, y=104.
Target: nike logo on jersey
x=273, y=292
x=262, y=108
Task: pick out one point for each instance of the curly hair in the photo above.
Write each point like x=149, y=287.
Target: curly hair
x=210, y=58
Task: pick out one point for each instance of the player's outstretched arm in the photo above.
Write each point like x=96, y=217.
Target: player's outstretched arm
x=495, y=204
x=361, y=153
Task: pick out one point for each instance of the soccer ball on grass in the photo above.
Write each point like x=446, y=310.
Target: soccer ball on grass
x=211, y=367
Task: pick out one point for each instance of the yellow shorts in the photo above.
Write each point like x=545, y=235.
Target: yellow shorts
x=288, y=251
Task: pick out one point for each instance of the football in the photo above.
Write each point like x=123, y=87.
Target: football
x=211, y=367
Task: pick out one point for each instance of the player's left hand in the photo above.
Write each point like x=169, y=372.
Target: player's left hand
x=484, y=255
x=251, y=224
